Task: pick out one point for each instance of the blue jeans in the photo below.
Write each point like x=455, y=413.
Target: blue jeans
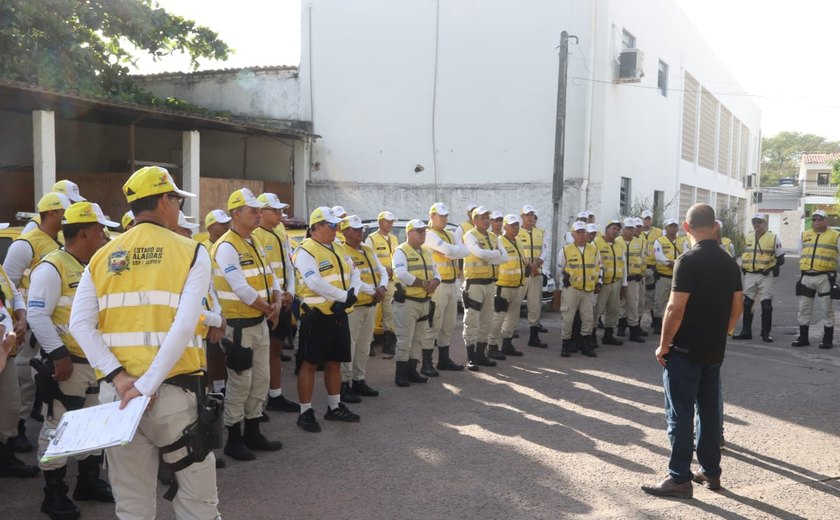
x=688, y=382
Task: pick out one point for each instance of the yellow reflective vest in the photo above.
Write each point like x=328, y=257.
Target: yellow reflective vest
x=447, y=267
x=333, y=268
x=635, y=256
x=384, y=247
x=671, y=250
x=41, y=244
x=256, y=268
x=819, y=251
x=759, y=255
x=70, y=270
x=466, y=227
x=363, y=259
x=531, y=242
x=474, y=267
x=580, y=266
x=138, y=278
x=650, y=237
x=275, y=251
x=612, y=258
x=512, y=272
x=421, y=265
x=8, y=300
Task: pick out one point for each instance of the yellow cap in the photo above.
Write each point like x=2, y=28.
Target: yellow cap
x=69, y=188
x=127, y=219
x=415, y=224
x=87, y=213
x=151, y=180
x=321, y=214
x=216, y=216
x=243, y=197
x=351, y=221
x=52, y=201
x=385, y=215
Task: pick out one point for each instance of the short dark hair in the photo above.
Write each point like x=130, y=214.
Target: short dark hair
x=72, y=230
x=145, y=204
x=700, y=216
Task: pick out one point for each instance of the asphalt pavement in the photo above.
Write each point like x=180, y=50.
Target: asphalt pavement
x=542, y=437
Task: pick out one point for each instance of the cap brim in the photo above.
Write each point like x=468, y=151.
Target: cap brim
x=4, y=225
x=255, y=204
x=223, y=220
x=331, y=220
x=183, y=193
x=109, y=223
x=76, y=198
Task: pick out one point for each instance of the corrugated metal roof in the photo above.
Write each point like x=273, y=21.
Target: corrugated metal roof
x=819, y=158
x=217, y=72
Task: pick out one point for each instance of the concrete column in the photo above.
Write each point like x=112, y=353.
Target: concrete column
x=191, y=178
x=43, y=137
x=301, y=176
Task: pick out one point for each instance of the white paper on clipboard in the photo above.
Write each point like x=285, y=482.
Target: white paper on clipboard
x=95, y=428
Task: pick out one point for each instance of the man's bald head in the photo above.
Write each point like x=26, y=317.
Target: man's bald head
x=700, y=216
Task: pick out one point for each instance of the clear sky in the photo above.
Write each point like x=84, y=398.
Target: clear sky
x=782, y=53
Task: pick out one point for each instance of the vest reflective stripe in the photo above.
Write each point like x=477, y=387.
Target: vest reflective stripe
x=512, y=272
x=149, y=259
x=531, y=243
x=70, y=270
x=612, y=258
x=333, y=268
x=275, y=250
x=421, y=265
x=759, y=255
x=635, y=256
x=650, y=237
x=671, y=250
x=255, y=268
x=42, y=244
x=363, y=260
x=447, y=267
x=819, y=251
x=580, y=267
x=474, y=267
x=384, y=247
x=133, y=299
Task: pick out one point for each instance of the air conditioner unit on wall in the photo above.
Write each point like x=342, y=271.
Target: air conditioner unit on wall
x=630, y=66
x=749, y=181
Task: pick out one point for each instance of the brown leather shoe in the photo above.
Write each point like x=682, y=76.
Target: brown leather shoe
x=669, y=488
x=712, y=483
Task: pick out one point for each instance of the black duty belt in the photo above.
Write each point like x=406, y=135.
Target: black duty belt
x=480, y=281
x=244, y=323
x=635, y=278
x=763, y=273
x=79, y=359
x=815, y=273
x=419, y=300
x=191, y=382
x=371, y=304
x=450, y=280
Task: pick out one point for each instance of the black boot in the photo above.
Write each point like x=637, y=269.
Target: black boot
x=413, y=375
x=348, y=395
x=372, y=352
x=642, y=332
x=235, y=446
x=472, y=366
x=37, y=408
x=589, y=346
x=444, y=361
x=362, y=388
x=535, y=341
x=255, y=440
x=657, y=325
x=480, y=356
x=540, y=328
x=746, y=329
x=591, y=340
x=56, y=504
x=21, y=443
x=493, y=352
x=568, y=348
x=508, y=349
x=802, y=340
x=428, y=368
x=766, y=320
x=11, y=466
x=622, y=327
x=609, y=339
x=89, y=486
x=828, y=337
x=636, y=334
x=389, y=344
x=401, y=374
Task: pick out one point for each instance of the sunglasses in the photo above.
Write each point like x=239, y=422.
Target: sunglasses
x=181, y=200
x=817, y=218
x=331, y=225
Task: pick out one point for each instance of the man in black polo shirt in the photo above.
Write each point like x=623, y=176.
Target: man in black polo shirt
x=704, y=306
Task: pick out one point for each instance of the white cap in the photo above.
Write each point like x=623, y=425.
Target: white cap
x=629, y=222
x=612, y=222
x=513, y=219
x=719, y=223
x=479, y=210
x=589, y=213
x=413, y=224
x=351, y=221
x=647, y=214
x=216, y=216
x=757, y=216
x=243, y=197
x=184, y=223
x=527, y=208
x=583, y=214
x=4, y=225
x=671, y=222
x=271, y=201
x=820, y=213
x=496, y=214
x=70, y=189
x=471, y=207
x=385, y=215
x=339, y=211
x=438, y=208
x=578, y=225
x=638, y=222
x=592, y=228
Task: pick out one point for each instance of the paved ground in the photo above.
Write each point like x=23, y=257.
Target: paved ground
x=545, y=437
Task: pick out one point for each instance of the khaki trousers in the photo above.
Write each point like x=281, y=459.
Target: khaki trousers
x=649, y=289
x=77, y=385
x=572, y=301
x=26, y=375
x=245, y=391
x=609, y=300
x=9, y=401
x=132, y=469
x=504, y=323
x=663, y=293
x=446, y=314
x=387, y=308
x=822, y=285
x=478, y=323
x=630, y=306
x=533, y=293
x=410, y=333
x=758, y=287
x=361, y=322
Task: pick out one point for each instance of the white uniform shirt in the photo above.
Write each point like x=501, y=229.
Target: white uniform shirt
x=44, y=295
x=227, y=258
x=305, y=264
x=453, y=251
x=400, y=266
x=496, y=256
x=18, y=258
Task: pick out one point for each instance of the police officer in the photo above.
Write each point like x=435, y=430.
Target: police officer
x=725, y=242
x=635, y=265
x=496, y=222
x=384, y=243
x=480, y=274
x=466, y=225
x=328, y=292
x=818, y=267
x=418, y=279
x=67, y=188
x=447, y=251
x=372, y=290
x=612, y=252
x=760, y=262
x=535, y=247
x=666, y=249
x=127, y=221
x=650, y=234
x=580, y=266
x=280, y=260
x=510, y=289
x=136, y=314
x=51, y=291
x=23, y=255
x=250, y=295
x=569, y=238
x=217, y=223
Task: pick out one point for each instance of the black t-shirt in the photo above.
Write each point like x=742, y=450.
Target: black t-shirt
x=710, y=276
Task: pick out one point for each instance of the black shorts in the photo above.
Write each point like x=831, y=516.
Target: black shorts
x=324, y=337
x=284, y=325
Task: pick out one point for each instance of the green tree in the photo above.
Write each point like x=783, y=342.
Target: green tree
x=86, y=46
x=781, y=154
